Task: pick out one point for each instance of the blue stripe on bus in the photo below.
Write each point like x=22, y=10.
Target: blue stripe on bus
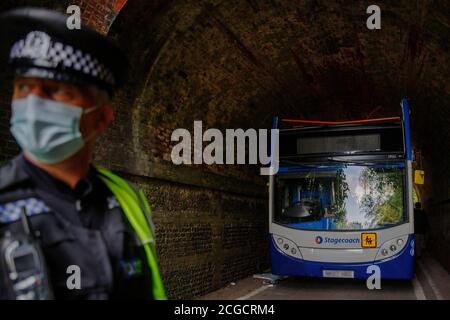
x=406, y=124
x=275, y=123
x=400, y=266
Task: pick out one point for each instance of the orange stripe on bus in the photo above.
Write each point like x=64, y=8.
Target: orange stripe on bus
x=339, y=122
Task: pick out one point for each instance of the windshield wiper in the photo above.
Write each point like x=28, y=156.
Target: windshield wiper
x=355, y=162
x=300, y=164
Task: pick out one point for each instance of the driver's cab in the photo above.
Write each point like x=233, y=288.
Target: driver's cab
x=307, y=199
x=304, y=208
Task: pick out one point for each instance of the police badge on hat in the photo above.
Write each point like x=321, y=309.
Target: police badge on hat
x=35, y=46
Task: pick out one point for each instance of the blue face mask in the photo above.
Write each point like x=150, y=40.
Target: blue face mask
x=46, y=129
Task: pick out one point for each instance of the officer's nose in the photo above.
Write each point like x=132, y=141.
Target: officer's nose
x=40, y=91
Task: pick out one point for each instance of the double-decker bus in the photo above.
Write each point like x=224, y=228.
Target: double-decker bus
x=342, y=199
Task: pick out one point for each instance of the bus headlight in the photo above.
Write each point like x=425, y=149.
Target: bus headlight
x=391, y=247
x=287, y=246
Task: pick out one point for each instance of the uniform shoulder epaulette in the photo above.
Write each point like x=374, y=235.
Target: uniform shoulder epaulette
x=12, y=211
x=11, y=174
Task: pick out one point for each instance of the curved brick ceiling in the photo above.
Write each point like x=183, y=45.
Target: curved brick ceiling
x=238, y=63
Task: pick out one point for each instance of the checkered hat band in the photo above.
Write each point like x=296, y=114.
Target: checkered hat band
x=12, y=211
x=48, y=53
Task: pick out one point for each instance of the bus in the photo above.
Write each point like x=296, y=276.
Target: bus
x=342, y=199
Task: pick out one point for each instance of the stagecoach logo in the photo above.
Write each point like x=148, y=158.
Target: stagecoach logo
x=335, y=241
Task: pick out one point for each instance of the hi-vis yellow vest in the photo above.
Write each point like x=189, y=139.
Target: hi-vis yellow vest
x=134, y=205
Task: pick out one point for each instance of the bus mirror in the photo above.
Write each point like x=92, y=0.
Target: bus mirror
x=419, y=176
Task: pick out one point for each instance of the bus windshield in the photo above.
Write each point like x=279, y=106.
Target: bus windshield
x=340, y=197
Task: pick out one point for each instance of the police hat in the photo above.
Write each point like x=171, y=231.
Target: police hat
x=38, y=43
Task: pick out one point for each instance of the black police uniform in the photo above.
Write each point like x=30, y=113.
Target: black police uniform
x=85, y=226
x=82, y=227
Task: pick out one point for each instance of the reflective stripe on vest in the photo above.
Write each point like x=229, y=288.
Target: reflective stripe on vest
x=133, y=205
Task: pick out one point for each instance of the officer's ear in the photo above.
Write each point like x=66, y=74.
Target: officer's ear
x=103, y=100
x=108, y=114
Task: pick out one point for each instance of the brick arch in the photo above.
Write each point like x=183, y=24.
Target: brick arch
x=239, y=64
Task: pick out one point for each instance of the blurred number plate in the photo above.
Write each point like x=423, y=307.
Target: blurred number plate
x=338, y=274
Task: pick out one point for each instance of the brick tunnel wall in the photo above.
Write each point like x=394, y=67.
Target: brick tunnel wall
x=236, y=64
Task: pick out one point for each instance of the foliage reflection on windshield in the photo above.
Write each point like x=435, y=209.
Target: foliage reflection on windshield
x=345, y=197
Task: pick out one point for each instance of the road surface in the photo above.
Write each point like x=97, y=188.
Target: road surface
x=431, y=282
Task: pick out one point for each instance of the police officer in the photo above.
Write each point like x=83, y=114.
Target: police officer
x=87, y=221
